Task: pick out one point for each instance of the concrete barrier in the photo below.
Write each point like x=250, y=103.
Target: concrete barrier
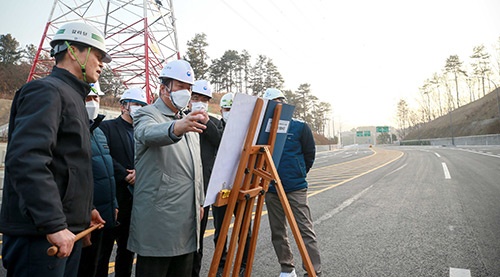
x=493, y=139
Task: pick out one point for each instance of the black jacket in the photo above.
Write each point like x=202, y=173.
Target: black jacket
x=209, y=144
x=121, y=149
x=48, y=176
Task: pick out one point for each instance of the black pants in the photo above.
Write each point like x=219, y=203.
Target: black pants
x=90, y=255
x=198, y=255
x=124, y=258
x=25, y=256
x=218, y=214
x=178, y=266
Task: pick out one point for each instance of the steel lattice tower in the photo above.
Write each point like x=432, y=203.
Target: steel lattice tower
x=140, y=37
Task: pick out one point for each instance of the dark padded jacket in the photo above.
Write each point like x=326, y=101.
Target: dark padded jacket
x=104, y=180
x=298, y=157
x=48, y=175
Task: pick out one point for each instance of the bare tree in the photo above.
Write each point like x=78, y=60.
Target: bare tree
x=481, y=64
x=454, y=66
x=402, y=117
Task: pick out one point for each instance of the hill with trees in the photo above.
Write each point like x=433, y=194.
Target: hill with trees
x=480, y=117
x=455, y=102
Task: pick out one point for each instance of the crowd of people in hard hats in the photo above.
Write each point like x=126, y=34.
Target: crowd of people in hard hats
x=141, y=178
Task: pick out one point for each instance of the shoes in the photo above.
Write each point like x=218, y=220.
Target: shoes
x=317, y=274
x=242, y=272
x=288, y=274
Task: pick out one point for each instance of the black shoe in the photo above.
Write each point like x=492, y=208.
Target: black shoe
x=242, y=272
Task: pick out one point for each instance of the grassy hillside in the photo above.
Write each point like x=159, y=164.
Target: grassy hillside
x=480, y=117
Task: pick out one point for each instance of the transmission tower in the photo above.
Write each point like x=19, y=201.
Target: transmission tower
x=140, y=37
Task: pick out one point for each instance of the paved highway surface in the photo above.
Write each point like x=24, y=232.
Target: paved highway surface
x=398, y=211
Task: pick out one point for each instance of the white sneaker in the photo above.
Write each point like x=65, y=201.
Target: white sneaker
x=288, y=274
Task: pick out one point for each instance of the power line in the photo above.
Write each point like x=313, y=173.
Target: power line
x=255, y=28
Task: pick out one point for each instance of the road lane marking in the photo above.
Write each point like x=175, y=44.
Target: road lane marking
x=396, y=170
x=446, y=171
x=459, y=272
x=342, y=206
x=480, y=153
x=439, y=156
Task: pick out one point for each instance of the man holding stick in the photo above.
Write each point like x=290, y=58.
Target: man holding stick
x=47, y=193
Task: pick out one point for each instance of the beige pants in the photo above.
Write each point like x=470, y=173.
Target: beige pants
x=277, y=221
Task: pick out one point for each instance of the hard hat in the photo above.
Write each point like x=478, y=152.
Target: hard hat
x=82, y=33
x=227, y=100
x=179, y=70
x=134, y=95
x=273, y=93
x=95, y=90
x=202, y=87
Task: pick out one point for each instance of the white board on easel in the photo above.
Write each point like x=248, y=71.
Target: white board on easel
x=231, y=146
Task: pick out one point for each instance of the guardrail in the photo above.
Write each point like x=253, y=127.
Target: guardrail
x=493, y=139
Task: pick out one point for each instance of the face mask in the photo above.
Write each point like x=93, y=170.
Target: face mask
x=195, y=106
x=133, y=110
x=180, y=98
x=225, y=116
x=92, y=109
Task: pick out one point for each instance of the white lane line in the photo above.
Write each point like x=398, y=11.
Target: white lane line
x=446, y=171
x=342, y=206
x=459, y=272
x=395, y=170
x=439, y=156
x=481, y=153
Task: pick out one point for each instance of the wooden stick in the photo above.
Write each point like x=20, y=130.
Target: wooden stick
x=52, y=251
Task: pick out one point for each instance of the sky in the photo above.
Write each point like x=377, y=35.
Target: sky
x=361, y=56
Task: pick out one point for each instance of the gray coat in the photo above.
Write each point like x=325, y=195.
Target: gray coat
x=168, y=189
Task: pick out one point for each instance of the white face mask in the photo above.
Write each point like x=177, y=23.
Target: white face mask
x=195, y=106
x=180, y=98
x=225, y=116
x=132, y=109
x=92, y=109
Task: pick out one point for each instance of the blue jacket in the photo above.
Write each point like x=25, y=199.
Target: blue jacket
x=104, y=180
x=298, y=157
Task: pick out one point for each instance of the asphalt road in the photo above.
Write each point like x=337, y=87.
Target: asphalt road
x=398, y=211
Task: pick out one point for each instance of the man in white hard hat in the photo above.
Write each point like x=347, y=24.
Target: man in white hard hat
x=104, y=188
x=47, y=193
x=296, y=160
x=120, y=135
x=168, y=192
x=226, y=102
x=209, y=144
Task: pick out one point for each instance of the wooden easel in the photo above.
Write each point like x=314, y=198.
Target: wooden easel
x=255, y=172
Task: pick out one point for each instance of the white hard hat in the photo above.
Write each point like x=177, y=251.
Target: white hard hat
x=95, y=90
x=82, y=33
x=202, y=87
x=273, y=93
x=227, y=100
x=134, y=95
x=179, y=70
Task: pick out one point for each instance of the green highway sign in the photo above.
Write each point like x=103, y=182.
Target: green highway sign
x=382, y=129
x=363, y=133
